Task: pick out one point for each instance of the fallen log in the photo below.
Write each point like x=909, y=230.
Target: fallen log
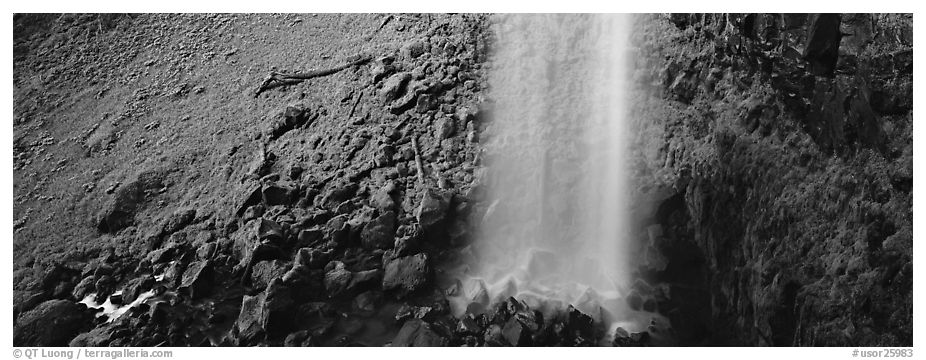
x=277, y=79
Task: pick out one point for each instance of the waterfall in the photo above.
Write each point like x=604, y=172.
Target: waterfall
x=556, y=232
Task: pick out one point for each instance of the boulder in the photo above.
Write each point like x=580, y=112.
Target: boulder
x=60, y=281
x=84, y=287
x=432, y=210
x=197, y=279
x=248, y=326
x=515, y=333
x=119, y=212
x=425, y=103
x=407, y=101
x=116, y=298
x=406, y=274
x=270, y=231
x=278, y=308
x=309, y=237
x=137, y=286
x=293, y=116
x=382, y=199
x=268, y=313
x=468, y=325
x=99, y=337
x=207, y=251
x=417, y=333
x=364, y=280
x=338, y=230
x=380, y=232
x=263, y=272
x=445, y=127
x=339, y=194
x=414, y=48
x=305, y=283
x=52, y=323
x=337, y=278
x=274, y=195
x=579, y=323
x=254, y=197
x=312, y=258
x=493, y=336
x=394, y=86
x=384, y=154
x=178, y=220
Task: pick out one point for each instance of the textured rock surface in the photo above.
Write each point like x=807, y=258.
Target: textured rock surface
x=792, y=208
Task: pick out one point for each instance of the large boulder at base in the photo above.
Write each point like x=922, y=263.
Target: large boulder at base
x=417, y=333
x=406, y=274
x=268, y=313
x=52, y=323
x=197, y=279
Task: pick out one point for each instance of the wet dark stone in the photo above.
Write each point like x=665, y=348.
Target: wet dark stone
x=266, y=314
x=417, y=333
x=197, y=279
x=52, y=323
x=823, y=37
x=406, y=274
x=469, y=325
x=516, y=334
x=493, y=336
x=432, y=210
x=364, y=280
x=579, y=323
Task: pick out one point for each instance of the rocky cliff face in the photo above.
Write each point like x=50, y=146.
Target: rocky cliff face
x=787, y=140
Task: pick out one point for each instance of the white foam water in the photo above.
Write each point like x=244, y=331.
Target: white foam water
x=113, y=311
x=556, y=233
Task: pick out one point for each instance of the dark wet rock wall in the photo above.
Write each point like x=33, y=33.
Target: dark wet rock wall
x=786, y=139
